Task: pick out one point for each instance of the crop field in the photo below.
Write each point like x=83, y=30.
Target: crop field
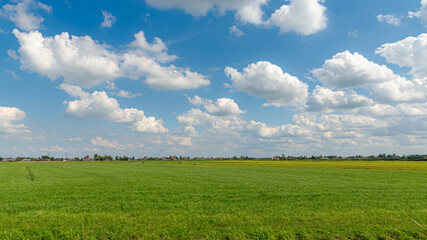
x=213, y=200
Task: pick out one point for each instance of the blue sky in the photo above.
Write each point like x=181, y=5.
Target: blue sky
x=213, y=77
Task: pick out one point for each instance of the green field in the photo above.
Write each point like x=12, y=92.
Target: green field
x=213, y=200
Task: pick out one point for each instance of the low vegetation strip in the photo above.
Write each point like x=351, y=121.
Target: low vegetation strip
x=110, y=200
x=379, y=165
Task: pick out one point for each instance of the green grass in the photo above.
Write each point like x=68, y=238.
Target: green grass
x=187, y=201
x=348, y=164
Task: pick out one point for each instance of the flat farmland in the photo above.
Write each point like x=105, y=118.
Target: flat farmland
x=214, y=200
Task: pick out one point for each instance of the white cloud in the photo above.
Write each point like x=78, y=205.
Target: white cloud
x=23, y=13
x=9, y=115
x=308, y=127
x=53, y=149
x=421, y=13
x=263, y=79
x=109, y=20
x=324, y=99
x=389, y=19
x=409, y=52
x=199, y=101
x=156, y=50
x=301, y=16
x=401, y=90
x=187, y=131
x=77, y=139
x=378, y=110
x=179, y=140
x=265, y=131
x=74, y=91
x=127, y=94
x=235, y=31
x=79, y=60
x=195, y=117
x=85, y=62
x=347, y=70
x=246, y=10
x=100, y=142
x=222, y=106
x=99, y=106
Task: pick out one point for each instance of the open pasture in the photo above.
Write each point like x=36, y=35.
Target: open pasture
x=213, y=200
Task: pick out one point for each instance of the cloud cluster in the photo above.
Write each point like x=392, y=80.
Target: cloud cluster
x=85, y=62
x=247, y=10
x=263, y=79
x=99, y=106
x=222, y=106
x=127, y=94
x=329, y=119
x=109, y=20
x=389, y=19
x=9, y=115
x=24, y=15
x=421, y=14
x=326, y=100
x=222, y=115
x=409, y=52
x=349, y=70
x=100, y=142
x=301, y=16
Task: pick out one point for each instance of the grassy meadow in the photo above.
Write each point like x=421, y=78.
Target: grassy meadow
x=213, y=200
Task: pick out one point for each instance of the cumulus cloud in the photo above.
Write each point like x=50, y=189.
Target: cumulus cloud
x=222, y=106
x=179, y=140
x=310, y=126
x=85, y=62
x=389, y=19
x=246, y=10
x=127, y=94
x=100, y=142
x=265, y=131
x=421, y=14
x=401, y=111
x=99, y=106
x=301, y=16
x=109, y=20
x=349, y=70
x=196, y=117
x=401, y=90
x=263, y=79
x=9, y=115
x=24, y=15
x=324, y=100
x=409, y=52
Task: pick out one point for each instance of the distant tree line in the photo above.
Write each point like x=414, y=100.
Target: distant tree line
x=96, y=157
